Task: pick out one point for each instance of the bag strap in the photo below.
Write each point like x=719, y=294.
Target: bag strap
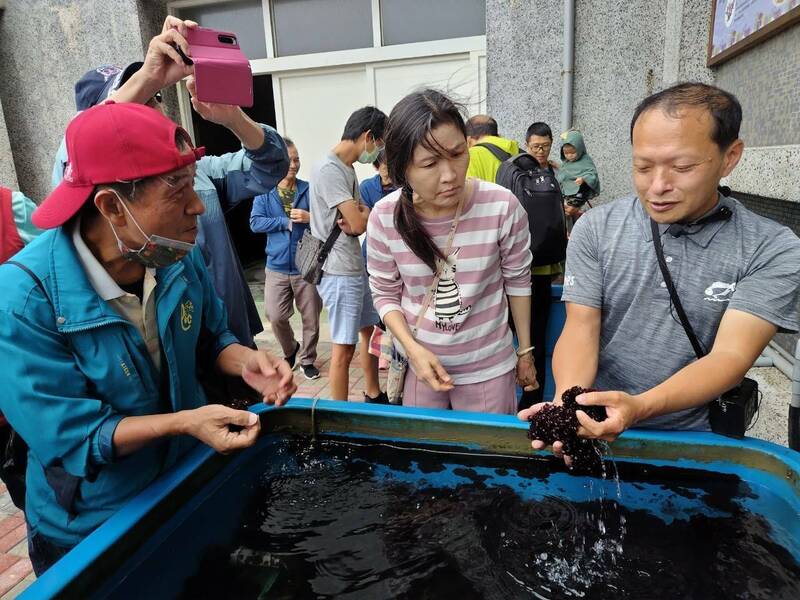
x=334, y=235
x=498, y=153
x=326, y=247
x=33, y=276
x=673, y=293
x=432, y=289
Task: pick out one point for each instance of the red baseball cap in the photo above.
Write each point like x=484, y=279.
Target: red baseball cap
x=109, y=143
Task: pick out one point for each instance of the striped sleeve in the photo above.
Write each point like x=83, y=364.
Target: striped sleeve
x=384, y=275
x=515, y=250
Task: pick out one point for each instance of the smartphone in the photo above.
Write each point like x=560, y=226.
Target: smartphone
x=221, y=70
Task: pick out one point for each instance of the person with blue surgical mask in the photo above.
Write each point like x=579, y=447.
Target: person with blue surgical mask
x=337, y=212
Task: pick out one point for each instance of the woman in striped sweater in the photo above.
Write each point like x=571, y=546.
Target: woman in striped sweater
x=461, y=356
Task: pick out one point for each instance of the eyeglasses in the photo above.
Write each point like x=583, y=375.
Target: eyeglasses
x=178, y=180
x=540, y=147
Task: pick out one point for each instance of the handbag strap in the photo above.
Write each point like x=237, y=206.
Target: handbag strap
x=326, y=247
x=334, y=235
x=429, y=296
x=673, y=293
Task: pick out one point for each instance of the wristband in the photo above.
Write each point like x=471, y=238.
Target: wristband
x=524, y=351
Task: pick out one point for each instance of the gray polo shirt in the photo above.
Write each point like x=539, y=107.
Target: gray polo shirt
x=748, y=263
x=333, y=182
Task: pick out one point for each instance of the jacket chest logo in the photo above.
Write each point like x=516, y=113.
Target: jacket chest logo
x=187, y=310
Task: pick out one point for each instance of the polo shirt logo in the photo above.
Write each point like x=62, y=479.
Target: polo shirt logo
x=719, y=291
x=187, y=308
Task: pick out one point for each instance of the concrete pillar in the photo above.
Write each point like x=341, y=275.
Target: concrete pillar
x=45, y=47
x=8, y=174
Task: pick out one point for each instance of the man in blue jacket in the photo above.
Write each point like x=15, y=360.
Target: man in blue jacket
x=222, y=182
x=283, y=215
x=105, y=320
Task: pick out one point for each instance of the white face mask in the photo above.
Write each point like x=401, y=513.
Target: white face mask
x=157, y=251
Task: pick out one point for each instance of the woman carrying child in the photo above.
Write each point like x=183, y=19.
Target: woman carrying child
x=443, y=252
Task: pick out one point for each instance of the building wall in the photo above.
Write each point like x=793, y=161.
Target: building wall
x=625, y=51
x=45, y=47
x=766, y=79
x=613, y=71
x=523, y=47
x=151, y=20
x=8, y=175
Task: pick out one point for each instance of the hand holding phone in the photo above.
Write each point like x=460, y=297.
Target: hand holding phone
x=221, y=70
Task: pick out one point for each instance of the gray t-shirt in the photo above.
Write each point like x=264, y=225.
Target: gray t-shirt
x=748, y=263
x=333, y=182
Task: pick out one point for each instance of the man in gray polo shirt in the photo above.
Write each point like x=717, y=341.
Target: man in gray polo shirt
x=737, y=275
x=344, y=288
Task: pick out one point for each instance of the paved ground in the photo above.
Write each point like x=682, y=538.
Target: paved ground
x=15, y=568
x=16, y=572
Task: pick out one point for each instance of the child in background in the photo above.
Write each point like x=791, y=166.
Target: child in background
x=578, y=175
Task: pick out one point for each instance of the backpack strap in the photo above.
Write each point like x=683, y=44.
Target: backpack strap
x=498, y=153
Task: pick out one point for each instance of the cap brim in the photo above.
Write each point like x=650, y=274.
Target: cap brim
x=128, y=71
x=61, y=205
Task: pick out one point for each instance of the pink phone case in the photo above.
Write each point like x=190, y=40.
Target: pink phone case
x=221, y=70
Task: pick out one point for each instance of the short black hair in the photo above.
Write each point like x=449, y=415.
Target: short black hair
x=288, y=141
x=723, y=106
x=540, y=129
x=364, y=119
x=481, y=125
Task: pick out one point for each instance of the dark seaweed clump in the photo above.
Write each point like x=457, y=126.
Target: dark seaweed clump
x=558, y=423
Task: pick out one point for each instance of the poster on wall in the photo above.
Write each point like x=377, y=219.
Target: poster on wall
x=740, y=24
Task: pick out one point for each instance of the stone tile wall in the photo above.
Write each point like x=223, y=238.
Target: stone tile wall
x=8, y=174
x=45, y=47
x=766, y=79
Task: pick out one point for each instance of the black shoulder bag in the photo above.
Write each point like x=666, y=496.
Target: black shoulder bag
x=731, y=413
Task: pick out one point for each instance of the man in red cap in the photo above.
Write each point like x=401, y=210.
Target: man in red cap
x=105, y=320
x=222, y=182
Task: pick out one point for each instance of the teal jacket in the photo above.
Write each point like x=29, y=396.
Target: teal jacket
x=73, y=368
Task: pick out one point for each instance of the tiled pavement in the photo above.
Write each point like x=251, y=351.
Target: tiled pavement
x=16, y=572
x=318, y=388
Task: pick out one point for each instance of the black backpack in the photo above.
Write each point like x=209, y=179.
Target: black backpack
x=540, y=195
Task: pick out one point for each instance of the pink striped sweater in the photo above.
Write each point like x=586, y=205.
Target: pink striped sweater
x=466, y=325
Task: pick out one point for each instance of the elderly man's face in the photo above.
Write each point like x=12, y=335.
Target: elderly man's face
x=167, y=206
x=677, y=165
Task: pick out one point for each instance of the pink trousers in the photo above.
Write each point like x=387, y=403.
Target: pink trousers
x=498, y=395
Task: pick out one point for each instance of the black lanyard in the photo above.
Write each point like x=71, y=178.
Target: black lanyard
x=673, y=293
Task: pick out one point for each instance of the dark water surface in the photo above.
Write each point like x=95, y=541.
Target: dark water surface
x=370, y=521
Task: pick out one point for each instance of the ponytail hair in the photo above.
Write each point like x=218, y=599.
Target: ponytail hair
x=410, y=124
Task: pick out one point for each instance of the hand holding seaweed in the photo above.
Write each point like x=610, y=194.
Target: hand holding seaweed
x=559, y=423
